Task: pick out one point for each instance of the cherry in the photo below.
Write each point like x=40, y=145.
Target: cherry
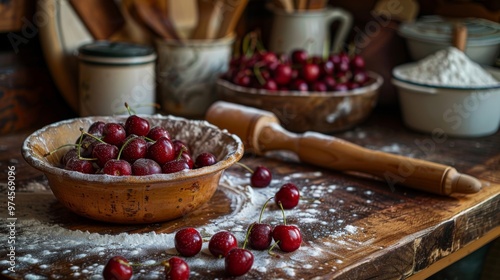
x=282, y=74
x=268, y=57
x=242, y=78
x=156, y=132
x=310, y=72
x=288, y=195
x=87, y=145
x=96, y=128
x=221, y=243
x=176, y=269
x=205, y=159
x=161, y=151
x=136, y=125
x=329, y=82
x=117, y=167
x=360, y=77
x=288, y=237
x=175, y=165
x=261, y=177
x=80, y=165
x=357, y=62
x=352, y=85
x=103, y=152
x=319, y=86
x=341, y=87
x=117, y=268
x=188, y=159
x=299, y=56
x=260, y=234
x=327, y=68
x=299, y=85
x=188, y=242
x=113, y=133
x=180, y=146
x=270, y=85
x=238, y=262
x=71, y=153
x=134, y=148
x=145, y=166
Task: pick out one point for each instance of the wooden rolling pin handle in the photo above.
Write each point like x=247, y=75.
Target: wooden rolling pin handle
x=334, y=153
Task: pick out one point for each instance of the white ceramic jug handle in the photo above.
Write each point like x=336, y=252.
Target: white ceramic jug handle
x=345, y=22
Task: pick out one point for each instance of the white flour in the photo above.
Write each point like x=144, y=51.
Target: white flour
x=37, y=229
x=448, y=67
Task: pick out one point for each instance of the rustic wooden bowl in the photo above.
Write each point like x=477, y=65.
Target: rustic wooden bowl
x=325, y=112
x=134, y=199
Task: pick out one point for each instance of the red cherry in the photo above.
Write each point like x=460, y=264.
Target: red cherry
x=319, y=86
x=310, y=72
x=288, y=195
x=103, y=152
x=176, y=269
x=270, y=85
x=145, y=166
x=282, y=74
x=205, y=159
x=299, y=56
x=357, y=62
x=327, y=68
x=360, y=77
x=161, y=151
x=288, y=237
x=341, y=87
x=117, y=167
x=242, y=79
x=299, y=85
x=117, y=268
x=261, y=177
x=134, y=148
x=329, y=82
x=71, y=153
x=188, y=242
x=221, y=243
x=156, y=132
x=260, y=236
x=238, y=262
x=96, y=128
x=175, y=165
x=80, y=165
x=113, y=133
x=136, y=125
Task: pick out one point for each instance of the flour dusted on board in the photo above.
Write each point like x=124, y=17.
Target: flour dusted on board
x=448, y=67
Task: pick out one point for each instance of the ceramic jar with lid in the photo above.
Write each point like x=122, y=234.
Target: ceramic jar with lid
x=432, y=33
x=112, y=73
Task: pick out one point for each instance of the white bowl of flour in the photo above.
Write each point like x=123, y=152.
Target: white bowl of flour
x=447, y=93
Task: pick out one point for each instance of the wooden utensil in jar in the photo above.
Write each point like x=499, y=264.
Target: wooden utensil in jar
x=459, y=36
x=208, y=11
x=261, y=132
x=155, y=18
x=231, y=14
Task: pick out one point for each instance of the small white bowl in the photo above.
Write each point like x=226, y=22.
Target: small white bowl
x=454, y=111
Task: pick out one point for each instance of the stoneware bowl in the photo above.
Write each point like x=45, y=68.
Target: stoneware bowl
x=134, y=199
x=453, y=111
x=325, y=112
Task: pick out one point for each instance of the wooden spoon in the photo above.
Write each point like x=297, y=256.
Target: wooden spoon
x=232, y=11
x=459, y=36
x=149, y=14
x=208, y=10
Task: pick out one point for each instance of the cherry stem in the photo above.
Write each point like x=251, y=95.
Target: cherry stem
x=263, y=208
x=130, y=111
x=258, y=73
x=244, y=166
x=91, y=135
x=59, y=148
x=272, y=247
x=183, y=149
x=246, y=236
x=283, y=212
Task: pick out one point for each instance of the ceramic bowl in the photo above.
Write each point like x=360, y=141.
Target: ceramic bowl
x=453, y=111
x=325, y=112
x=134, y=199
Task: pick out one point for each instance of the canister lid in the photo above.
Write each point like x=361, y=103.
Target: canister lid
x=436, y=29
x=116, y=52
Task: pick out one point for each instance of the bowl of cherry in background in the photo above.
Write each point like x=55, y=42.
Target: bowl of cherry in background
x=132, y=169
x=306, y=92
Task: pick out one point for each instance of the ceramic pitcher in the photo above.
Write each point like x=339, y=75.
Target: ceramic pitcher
x=309, y=30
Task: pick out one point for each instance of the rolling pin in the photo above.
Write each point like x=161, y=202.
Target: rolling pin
x=261, y=132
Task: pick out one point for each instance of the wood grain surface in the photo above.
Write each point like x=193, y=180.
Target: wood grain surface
x=353, y=227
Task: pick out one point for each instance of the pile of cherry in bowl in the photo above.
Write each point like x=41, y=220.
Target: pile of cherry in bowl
x=298, y=71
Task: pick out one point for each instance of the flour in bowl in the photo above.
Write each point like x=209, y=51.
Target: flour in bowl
x=447, y=67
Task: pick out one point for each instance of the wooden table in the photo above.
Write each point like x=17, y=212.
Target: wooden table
x=353, y=227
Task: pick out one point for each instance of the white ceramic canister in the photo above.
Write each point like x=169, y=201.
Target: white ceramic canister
x=112, y=73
